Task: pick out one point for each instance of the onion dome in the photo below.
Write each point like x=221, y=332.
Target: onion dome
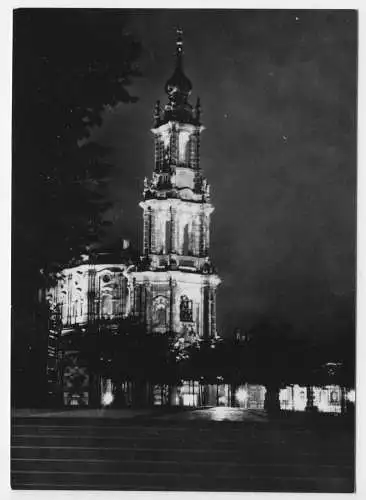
x=178, y=87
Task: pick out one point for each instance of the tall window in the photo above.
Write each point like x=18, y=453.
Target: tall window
x=183, y=148
x=159, y=154
x=159, y=313
x=107, y=306
x=75, y=307
x=186, y=309
x=168, y=236
x=185, y=246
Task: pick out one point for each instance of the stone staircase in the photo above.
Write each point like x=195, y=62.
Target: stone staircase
x=148, y=454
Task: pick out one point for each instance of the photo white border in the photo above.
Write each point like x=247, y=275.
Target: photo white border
x=6, y=7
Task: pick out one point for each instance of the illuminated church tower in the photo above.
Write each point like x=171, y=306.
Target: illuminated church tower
x=174, y=291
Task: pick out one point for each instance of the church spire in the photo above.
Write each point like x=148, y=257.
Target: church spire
x=176, y=220
x=178, y=88
x=179, y=49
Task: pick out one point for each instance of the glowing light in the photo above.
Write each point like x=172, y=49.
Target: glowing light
x=300, y=398
x=107, y=396
x=183, y=141
x=351, y=396
x=107, y=399
x=328, y=399
x=241, y=395
x=293, y=398
x=221, y=413
x=222, y=400
x=184, y=177
x=189, y=399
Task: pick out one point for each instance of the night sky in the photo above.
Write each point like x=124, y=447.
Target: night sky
x=278, y=94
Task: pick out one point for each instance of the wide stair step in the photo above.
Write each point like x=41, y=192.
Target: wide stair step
x=79, y=453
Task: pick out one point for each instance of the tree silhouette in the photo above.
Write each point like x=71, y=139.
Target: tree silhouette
x=69, y=64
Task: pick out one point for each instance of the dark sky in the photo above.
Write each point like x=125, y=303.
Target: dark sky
x=278, y=93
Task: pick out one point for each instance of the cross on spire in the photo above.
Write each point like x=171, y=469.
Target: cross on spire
x=179, y=47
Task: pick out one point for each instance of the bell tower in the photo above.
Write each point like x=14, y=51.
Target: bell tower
x=175, y=289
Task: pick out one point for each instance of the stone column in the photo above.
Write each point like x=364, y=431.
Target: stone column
x=213, y=313
x=197, y=232
x=173, y=229
x=207, y=234
x=91, y=294
x=69, y=298
x=159, y=153
x=165, y=238
x=193, y=153
x=195, y=149
x=198, y=322
x=206, y=312
x=152, y=231
x=147, y=230
x=202, y=234
x=174, y=146
x=172, y=288
x=148, y=307
x=133, y=297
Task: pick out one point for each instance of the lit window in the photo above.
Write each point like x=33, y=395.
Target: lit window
x=107, y=306
x=160, y=312
x=186, y=306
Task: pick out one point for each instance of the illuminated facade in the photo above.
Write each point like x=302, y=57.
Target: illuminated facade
x=91, y=292
x=171, y=288
x=91, y=295
x=175, y=286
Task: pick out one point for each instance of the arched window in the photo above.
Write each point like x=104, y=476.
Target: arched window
x=186, y=309
x=185, y=246
x=183, y=147
x=195, y=236
x=159, y=312
x=160, y=236
x=107, y=306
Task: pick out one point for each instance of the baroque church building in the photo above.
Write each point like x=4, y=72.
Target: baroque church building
x=171, y=288
x=177, y=286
